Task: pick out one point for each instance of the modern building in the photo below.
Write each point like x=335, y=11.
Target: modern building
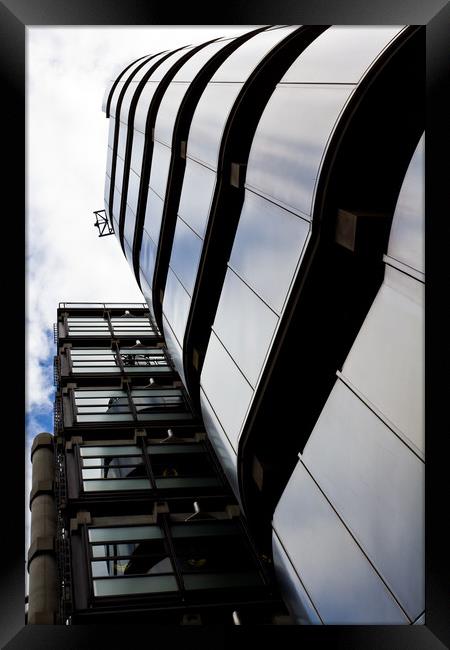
x=267, y=192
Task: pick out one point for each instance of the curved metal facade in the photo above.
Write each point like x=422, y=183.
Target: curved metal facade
x=225, y=163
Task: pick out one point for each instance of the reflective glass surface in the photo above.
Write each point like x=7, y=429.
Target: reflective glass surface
x=192, y=67
x=147, y=258
x=290, y=141
x=133, y=190
x=106, y=484
x=173, y=348
x=196, y=196
x=168, y=111
x=134, y=585
x=241, y=63
x=129, y=225
x=220, y=442
x=227, y=391
x=137, y=151
x=209, y=121
x=341, y=54
x=167, y=64
x=294, y=594
x=123, y=533
x=176, y=305
x=143, y=105
x=336, y=574
x=391, y=343
x=122, y=141
x=145, y=68
x=268, y=244
x=110, y=450
x=186, y=251
x=245, y=325
x=406, y=241
x=153, y=215
x=377, y=489
x=111, y=132
x=160, y=168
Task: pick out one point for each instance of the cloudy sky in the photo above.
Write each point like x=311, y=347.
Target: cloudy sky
x=67, y=134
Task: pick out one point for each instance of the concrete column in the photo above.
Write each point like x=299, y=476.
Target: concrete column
x=42, y=566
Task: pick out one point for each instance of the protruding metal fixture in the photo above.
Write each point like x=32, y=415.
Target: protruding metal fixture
x=103, y=223
x=171, y=438
x=236, y=619
x=197, y=514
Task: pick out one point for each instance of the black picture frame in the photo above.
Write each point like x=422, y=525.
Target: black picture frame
x=15, y=15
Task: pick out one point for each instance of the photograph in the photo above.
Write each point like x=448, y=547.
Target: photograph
x=225, y=342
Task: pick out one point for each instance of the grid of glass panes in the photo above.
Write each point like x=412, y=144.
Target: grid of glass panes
x=131, y=326
x=110, y=405
x=121, y=325
x=137, y=559
x=122, y=467
x=104, y=360
x=87, y=326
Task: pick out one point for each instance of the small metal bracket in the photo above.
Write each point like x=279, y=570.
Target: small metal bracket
x=237, y=174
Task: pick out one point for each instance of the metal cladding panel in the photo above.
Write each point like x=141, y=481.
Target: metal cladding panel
x=176, y=305
x=227, y=390
x=208, y=122
x=165, y=66
x=128, y=75
x=153, y=215
x=290, y=142
x=122, y=140
x=168, y=111
x=147, y=260
x=406, y=241
x=106, y=94
x=339, y=579
x=174, y=349
x=241, y=63
x=137, y=151
x=295, y=597
x=224, y=450
x=192, y=67
x=111, y=132
x=377, y=486
x=196, y=196
x=342, y=54
x=133, y=192
x=146, y=96
x=268, y=245
x=386, y=362
x=160, y=168
x=130, y=221
x=245, y=325
x=186, y=251
x=143, y=106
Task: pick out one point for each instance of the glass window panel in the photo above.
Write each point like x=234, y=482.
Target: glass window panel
x=129, y=226
x=119, y=567
x=268, y=244
x=113, y=450
x=194, y=205
x=190, y=448
x=185, y=257
x=245, y=325
x=290, y=141
x=106, y=417
x=196, y=482
x=168, y=110
x=107, y=550
x=198, y=529
x=195, y=63
x=99, y=393
x=176, y=305
x=153, y=217
x=134, y=585
x=209, y=120
x=221, y=580
x=154, y=352
x=160, y=169
x=133, y=190
x=106, y=485
x=137, y=151
x=341, y=54
x=241, y=63
x=124, y=533
x=228, y=391
x=143, y=105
